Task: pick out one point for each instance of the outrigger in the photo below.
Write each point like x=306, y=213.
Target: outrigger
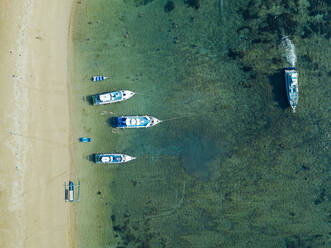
x=69, y=192
x=111, y=97
x=98, y=78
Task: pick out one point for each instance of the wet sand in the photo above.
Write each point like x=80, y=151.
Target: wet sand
x=34, y=123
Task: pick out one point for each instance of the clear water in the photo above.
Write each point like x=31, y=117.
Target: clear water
x=231, y=165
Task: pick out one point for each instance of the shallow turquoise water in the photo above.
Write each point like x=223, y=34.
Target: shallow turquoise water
x=231, y=165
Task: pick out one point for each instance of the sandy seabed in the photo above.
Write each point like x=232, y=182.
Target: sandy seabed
x=35, y=123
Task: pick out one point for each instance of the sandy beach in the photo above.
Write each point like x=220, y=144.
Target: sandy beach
x=35, y=123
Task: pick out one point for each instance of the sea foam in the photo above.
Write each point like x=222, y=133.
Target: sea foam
x=289, y=47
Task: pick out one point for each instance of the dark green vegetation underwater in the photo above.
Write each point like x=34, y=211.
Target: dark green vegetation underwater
x=231, y=165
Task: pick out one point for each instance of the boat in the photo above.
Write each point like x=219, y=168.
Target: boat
x=111, y=97
x=136, y=121
x=108, y=158
x=69, y=192
x=291, y=85
x=85, y=140
x=98, y=78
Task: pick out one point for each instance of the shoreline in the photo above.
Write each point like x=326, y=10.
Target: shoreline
x=36, y=159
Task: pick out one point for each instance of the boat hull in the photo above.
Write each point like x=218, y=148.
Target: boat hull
x=135, y=121
x=291, y=86
x=112, y=97
x=112, y=158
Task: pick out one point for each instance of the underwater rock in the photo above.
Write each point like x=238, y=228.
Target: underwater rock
x=277, y=61
x=193, y=3
x=321, y=198
x=317, y=240
x=245, y=85
x=272, y=24
x=306, y=32
x=287, y=23
x=170, y=5
x=247, y=12
x=134, y=182
x=318, y=7
x=234, y=54
x=256, y=41
x=247, y=68
x=306, y=58
x=139, y=3
x=247, y=15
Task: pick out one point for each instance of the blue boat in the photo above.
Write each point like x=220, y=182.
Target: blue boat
x=115, y=158
x=111, y=97
x=135, y=121
x=85, y=140
x=291, y=85
x=98, y=78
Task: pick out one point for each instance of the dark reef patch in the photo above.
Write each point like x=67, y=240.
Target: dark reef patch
x=287, y=23
x=235, y=54
x=296, y=241
x=170, y=5
x=193, y=3
x=249, y=12
x=306, y=32
x=321, y=197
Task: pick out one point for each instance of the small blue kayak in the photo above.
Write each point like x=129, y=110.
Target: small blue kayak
x=85, y=140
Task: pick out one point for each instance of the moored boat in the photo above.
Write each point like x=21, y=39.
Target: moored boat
x=111, y=97
x=112, y=158
x=136, y=121
x=85, y=140
x=98, y=78
x=291, y=85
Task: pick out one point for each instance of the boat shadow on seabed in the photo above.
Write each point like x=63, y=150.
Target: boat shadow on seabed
x=112, y=122
x=278, y=88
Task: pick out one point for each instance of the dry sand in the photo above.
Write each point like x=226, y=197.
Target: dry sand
x=34, y=123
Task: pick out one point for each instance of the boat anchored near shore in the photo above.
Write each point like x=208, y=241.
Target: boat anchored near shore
x=112, y=158
x=98, y=78
x=111, y=97
x=136, y=121
x=291, y=85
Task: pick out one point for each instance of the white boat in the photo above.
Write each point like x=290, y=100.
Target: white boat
x=136, y=121
x=112, y=158
x=291, y=84
x=111, y=97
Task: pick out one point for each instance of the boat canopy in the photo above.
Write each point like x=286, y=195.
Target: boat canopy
x=105, y=97
x=117, y=95
x=132, y=122
x=105, y=159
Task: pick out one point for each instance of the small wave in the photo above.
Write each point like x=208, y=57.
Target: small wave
x=290, y=55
